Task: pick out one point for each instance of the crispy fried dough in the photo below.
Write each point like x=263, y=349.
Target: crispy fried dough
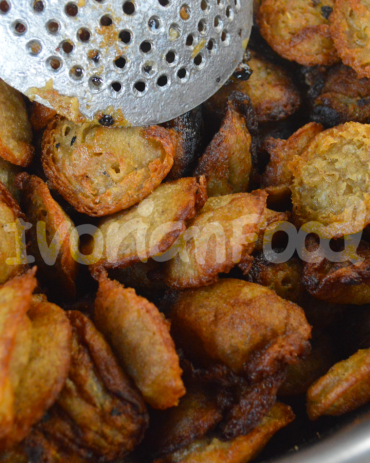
x=271, y=90
x=239, y=450
x=41, y=116
x=337, y=95
x=102, y=170
x=15, y=301
x=227, y=162
x=299, y=30
x=43, y=376
x=8, y=173
x=140, y=336
x=148, y=229
x=99, y=415
x=335, y=165
x=277, y=178
x=15, y=128
x=349, y=29
x=244, y=326
x=12, y=249
x=340, y=282
x=221, y=236
x=173, y=429
x=51, y=229
x=344, y=388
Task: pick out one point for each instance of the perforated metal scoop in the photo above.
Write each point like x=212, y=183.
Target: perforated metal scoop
x=151, y=59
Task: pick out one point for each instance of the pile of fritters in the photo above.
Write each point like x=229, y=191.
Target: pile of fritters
x=150, y=308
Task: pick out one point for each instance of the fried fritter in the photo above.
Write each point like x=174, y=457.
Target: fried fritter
x=340, y=282
x=271, y=90
x=15, y=301
x=239, y=450
x=302, y=375
x=174, y=429
x=270, y=220
x=99, y=415
x=49, y=237
x=148, y=229
x=140, y=336
x=283, y=278
x=337, y=95
x=41, y=116
x=277, y=178
x=227, y=162
x=244, y=326
x=43, y=375
x=8, y=173
x=349, y=29
x=12, y=249
x=299, y=30
x=331, y=180
x=344, y=388
x=101, y=170
x=189, y=131
x=15, y=128
x=221, y=236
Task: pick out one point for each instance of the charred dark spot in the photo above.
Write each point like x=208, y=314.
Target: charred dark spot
x=106, y=120
x=218, y=79
x=115, y=412
x=243, y=72
x=363, y=102
x=326, y=116
x=57, y=146
x=326, y=11
x=73, y=140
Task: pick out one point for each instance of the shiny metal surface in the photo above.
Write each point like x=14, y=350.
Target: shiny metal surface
x=349, y=444
x=152, y=59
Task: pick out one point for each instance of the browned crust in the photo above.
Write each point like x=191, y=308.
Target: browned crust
x=94, y=207
x=16, y=297
x=344, y=388
x=191, y=190
x=147, y=352
x=56, y=221
x=346, y=13
x=304, y=46
x=41, y=116
x=8, y=199
x=26, y=152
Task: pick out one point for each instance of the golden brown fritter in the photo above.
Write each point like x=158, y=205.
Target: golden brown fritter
x=42, y=374
x=15, y=301
x=242, y=449
x=8, y=173
x=271, y=90
x=40, y=116
x=221, y=236
x=340, y=282
x=12, y=249
x=189, y=136
x=49, y=237
x=301, y=376
x=244, y=326
x=344, y=388
x=337, y=95
x=277, y=178
x=140, y=336
x=331, y=180
x=99, y=415
x=148, y=229
x=349, y=29
x=102, y=170
x=269, y=222
x=227, y=162
x=173, y=429
x=15, y=128
x=299, y=30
